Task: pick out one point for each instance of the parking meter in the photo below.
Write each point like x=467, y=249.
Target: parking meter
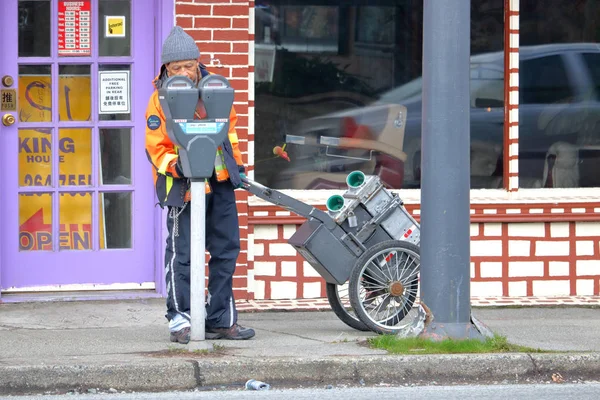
x=197, y=142
x=197, y=139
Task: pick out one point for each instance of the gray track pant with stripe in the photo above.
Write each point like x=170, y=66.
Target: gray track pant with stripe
x=223, y=244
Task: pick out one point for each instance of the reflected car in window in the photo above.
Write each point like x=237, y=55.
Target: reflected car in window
x=559, y=128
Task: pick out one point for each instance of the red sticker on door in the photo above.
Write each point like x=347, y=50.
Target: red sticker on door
x=74, y=28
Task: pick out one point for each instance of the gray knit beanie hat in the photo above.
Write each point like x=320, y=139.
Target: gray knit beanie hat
x=179, y=46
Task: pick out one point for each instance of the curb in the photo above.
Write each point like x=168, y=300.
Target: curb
x=401, y=370
x=183, y=374
x=132, y=376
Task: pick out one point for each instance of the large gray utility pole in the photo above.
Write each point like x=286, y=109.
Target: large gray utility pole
x=445, y=165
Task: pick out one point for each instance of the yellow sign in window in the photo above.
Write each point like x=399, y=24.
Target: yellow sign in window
x=115, y=26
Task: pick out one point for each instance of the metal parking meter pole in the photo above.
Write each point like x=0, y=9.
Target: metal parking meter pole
x=198, y=260
x=445, y=184
x=197, y=142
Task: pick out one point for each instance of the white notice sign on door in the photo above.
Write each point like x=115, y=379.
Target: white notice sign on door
x=114, y=92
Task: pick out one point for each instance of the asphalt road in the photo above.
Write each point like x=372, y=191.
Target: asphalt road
x=580, y=391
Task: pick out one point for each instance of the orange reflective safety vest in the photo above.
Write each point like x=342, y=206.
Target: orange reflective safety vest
x=172, y=188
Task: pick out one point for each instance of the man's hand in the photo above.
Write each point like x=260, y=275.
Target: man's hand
x=244, y=177
x=179, y=169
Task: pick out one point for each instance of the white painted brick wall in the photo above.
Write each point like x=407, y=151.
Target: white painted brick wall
x=533, y=229
x=490, y=269
x=488, y=248
x=525, y=268
x=482, y=289
x=519, y=248
x=281, y=249
x=265, y=268
x=251, y=247
x=585, y=287
x=559, y=229
x=584, y=248
x=517, y=289
x=587, y=228
x=251, y=282
x=288, y=231
x=259, y=249
x=559, y=268
x=543, y=248
x=587, y=267
x=309, y=271
x=265, y=232
x=259, y=290
x=288, y=268
x=312, y=290
x=283, y=290
x=551, y=288
x=492, y=229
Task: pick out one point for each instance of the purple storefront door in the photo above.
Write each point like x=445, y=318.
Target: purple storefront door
x=76, y=191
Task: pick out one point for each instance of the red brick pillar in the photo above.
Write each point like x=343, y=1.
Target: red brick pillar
x=220, y=27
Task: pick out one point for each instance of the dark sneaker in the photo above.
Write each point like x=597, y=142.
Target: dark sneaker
x=182, y=336
x=236, y=332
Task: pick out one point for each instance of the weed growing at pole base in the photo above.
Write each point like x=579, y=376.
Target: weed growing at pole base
x=397, y=345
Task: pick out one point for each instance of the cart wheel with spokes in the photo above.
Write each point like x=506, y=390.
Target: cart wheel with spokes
x=384, y=283
x=340, y=304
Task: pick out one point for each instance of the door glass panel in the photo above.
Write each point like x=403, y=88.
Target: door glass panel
x=115, y=220
x=115, y=27
x=115, y=156
x=35, y=221
x=75, y=157
x=35, y=157
x=35, y=93
x=34, y=28
x=74, y=96
x=114, y=92
x=75, y=221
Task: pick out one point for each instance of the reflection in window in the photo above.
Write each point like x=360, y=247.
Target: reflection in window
x=115, y=220
x=35, y=221
x=559, y=113
x=592, y=62
x=35, y=157
x=357, y=103
x=75, y=221
x=544, y=80
x=74, y=95
x=115, y=156
x=35, y=93
x=114, y=20
x=114, y=103
x=75, y=157
x=34, y=28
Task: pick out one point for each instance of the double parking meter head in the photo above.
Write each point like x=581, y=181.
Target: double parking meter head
x=197, y=140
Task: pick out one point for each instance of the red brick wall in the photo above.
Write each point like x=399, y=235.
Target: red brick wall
x=220, y=27
x=516, y=250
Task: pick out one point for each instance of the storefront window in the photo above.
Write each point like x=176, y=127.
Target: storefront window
x=34, y=28
x=338, y=88
x=114, y=18
x=559, y=110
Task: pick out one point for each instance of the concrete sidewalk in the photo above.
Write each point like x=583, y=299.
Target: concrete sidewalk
x=124, y=345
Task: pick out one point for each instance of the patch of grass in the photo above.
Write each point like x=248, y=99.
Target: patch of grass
x=496, y=344
x=218, y=347
x=184, y=350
